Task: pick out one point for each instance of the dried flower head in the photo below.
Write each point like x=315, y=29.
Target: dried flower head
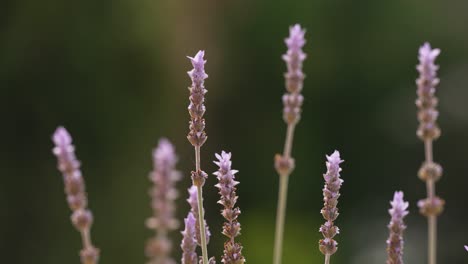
x=197, y=135
x=328, y=245
x=396, y=228
x=227, y=191
x=192, y=200
x=69, y=166
x=189, y=242
x=163, y=194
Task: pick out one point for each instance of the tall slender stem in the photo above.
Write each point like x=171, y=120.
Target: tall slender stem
x=327, y=259
x=289, y=140
x=86, y=241
x=432, y=244
x=280, y=216
x=282, y=199
x=201, y=221
x=197, y=158
x=432, y=220
x=201, y=212
x=85, y=238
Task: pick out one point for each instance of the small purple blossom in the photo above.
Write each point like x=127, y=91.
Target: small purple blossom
x=328, y=245
x=65, y=152
x=396, y=227
x=189, y=243
x=227, y=190
x=466, y=248
x=192, y=200
x=197, y=74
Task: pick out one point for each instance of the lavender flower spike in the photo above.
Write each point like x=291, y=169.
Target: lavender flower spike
x=294, y=57
x=189, y=243
x=227, y=191
x=428, y=131
x=197, y=138
x=82, y=218
x=427, y=102
x=292, y=102
x=197, y=135
x=396, y=228
x=331, y=193
x=192, y=200
x=163, y=194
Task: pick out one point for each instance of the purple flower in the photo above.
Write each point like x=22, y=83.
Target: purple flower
x=192, y=200
x=69, y=166
x=163, y=194
x=331, y=193
x=292, y=101
x=197, y=108
x=427, y=102
x=189, y=243
x=227, y=191
x=294, y=58
x=197, y=74
x=396, y=228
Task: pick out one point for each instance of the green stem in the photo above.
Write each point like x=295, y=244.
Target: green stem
x=282, y=199
x=201, y=213
x=280, y=217
x=431, y=220
x=201, y=222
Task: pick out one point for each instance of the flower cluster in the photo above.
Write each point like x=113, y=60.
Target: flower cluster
x=82, y=218
x=396, y=228
x=227, y=191
x=163, y=193
x=331, y=193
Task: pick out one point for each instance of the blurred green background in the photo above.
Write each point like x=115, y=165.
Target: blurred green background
x=114, y=73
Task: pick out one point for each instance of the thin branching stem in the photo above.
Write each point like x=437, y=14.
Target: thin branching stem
x=327, y=259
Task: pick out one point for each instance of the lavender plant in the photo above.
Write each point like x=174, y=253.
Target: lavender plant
x=196, y=231
x=163, y=193
x=227, y=190
x=197, y=137
x=292, y=101
x=428, y=131
x=396, y=228
x=331, y=193
x=82, y=218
